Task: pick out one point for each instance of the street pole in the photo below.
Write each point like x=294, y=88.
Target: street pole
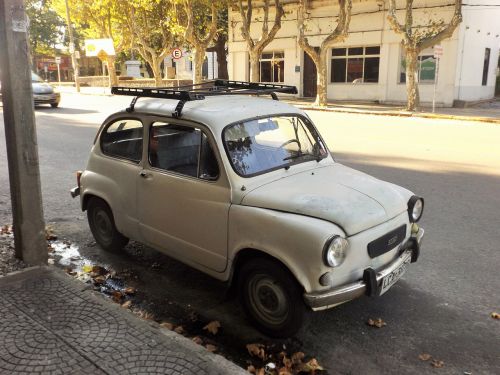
x=20, y=135
x=59, y=73
x=74, y=61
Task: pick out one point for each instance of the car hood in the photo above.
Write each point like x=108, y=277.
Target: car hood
x=351, y=199
x=42, y=88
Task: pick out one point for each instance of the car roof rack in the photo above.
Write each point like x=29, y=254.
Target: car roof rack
x=201, y=90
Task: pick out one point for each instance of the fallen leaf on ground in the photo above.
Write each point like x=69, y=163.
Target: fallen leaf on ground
x=50, y=249
x=257, y=350
x=6, y=229
x=87, y=268
x=129, y=290
x=49, y=234
x=50, y=261
x=311, y=366
x=495, y=315
x=117, y=296
x=211, y=348
x=424, y=357
x=379, y=323
x=297, y=357
x=261, y=371
x=251, y=369
x=437, y=364
x=213, y=327
x=197, y=340
x=99, y=280
x=284, y=371
x=287, y=362
x=127, y=304
x=179, y=330
x=167, y=325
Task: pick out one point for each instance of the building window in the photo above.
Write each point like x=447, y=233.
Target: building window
x=486, y=65
x=426, y=69
x=272, y=67
x=355, y=64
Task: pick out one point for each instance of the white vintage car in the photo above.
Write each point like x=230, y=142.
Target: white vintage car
x=244, y=189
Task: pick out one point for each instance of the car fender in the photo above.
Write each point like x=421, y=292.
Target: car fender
x=295, y=240
x=101, y=187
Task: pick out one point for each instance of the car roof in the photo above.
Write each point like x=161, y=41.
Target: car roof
x=217, y=111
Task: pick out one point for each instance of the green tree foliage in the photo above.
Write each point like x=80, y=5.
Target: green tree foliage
x=154, y=30
x=45, y=27
x=98, y=19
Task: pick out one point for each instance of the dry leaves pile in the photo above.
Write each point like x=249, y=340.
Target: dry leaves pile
x=283, y=365
x=434, y=362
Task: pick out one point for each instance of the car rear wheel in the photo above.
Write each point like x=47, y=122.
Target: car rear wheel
x=102, y=226
x=271, y=297
x=54, y=105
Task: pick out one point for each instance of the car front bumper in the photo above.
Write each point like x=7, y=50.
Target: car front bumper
x=52, y=98
x=370, y=284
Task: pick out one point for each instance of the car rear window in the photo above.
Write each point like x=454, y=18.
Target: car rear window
x=123, y=139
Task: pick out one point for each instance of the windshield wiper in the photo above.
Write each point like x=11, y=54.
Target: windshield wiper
x=300, y=155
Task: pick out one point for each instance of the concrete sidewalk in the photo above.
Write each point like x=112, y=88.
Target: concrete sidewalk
x=485, y=112
x=52, y=324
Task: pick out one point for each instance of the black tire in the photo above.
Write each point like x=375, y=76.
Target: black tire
x=54, y=105
x=271, y=297
x=102, y=226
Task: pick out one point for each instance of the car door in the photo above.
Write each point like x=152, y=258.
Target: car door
x=184, y=196
x=115, y=170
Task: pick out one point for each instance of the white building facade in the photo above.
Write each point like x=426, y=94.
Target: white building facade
x=369, y=64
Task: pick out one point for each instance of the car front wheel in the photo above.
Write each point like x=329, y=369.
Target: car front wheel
x=102, y=226
x=271, y=297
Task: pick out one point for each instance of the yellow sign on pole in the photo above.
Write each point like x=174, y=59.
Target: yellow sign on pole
x=102, y=55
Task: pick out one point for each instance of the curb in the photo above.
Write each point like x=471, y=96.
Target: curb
x=403, y=114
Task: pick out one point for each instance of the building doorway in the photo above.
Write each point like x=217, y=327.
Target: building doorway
x=309, y=77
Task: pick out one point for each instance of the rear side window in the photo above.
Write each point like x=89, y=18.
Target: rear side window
x=183, y=150
x=123, y=139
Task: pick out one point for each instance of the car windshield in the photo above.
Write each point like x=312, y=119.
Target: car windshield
x=265, y=144
x=35, y=78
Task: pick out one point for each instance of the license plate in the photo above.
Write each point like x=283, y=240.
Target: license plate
x=43, y=97
x=389, y=280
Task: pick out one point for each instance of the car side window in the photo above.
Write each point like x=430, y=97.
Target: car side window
x=183, y=150
x=123, y=139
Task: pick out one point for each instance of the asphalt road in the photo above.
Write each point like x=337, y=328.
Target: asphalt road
x=442, y=306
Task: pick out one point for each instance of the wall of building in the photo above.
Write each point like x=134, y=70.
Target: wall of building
x=369, y=27
x=479, y=30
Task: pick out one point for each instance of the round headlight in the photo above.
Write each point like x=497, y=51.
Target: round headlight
x=415, y=208
x=335, y=251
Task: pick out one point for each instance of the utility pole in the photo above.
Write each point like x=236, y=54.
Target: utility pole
x=74, y=61
x=20, y=135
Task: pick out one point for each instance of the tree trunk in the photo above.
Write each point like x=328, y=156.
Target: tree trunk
x=412, y=79
x=254, y=66
x=113, y=79
x=155, y=66
x=220, y=49
x=198, y=59
x=321, y=97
